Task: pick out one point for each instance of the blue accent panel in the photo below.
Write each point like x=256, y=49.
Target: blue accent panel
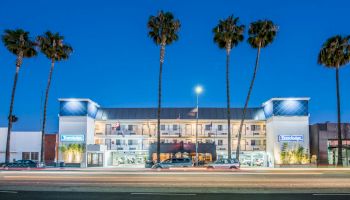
x=92, y=110
x=268, y=109
x=73, y=108
x=286, y=108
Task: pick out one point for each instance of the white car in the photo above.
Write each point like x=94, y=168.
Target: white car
x=224, y=164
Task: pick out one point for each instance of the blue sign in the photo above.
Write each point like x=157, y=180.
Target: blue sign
x=290, y=138
x=72, y=138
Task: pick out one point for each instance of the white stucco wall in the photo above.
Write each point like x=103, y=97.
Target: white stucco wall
x=282, y=125
x=20, y=142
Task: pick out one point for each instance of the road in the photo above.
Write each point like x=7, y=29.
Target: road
x=186, y=183
x=161, y=196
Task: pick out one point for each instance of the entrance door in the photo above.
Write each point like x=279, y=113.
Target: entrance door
x=95, y=159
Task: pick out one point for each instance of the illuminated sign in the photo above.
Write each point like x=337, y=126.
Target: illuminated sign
x=290, y=138
x=72, y=138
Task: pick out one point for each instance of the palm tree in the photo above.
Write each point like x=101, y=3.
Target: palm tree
x=52, y=46
x=335, y=53
x=19, y=43
x=261, y=33
x=227, y=34
x=163, y=29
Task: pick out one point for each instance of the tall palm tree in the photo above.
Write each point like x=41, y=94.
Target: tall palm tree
x=261, y=33
x=227, y=34
x=335, y=53
x=52, y=46
x=163, y=30
x=19, y=43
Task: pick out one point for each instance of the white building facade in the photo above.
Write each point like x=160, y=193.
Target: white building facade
x=24, y=145
x=93, y=136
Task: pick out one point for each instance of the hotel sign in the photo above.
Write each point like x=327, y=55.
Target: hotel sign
x=72, y=138
x=290, y=138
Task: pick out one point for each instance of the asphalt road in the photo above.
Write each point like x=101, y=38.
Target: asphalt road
x=22, y=195
x=199, y=182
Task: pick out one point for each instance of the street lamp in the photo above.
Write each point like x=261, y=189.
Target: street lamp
x=198, y=91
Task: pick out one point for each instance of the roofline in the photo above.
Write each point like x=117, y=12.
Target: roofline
x=79, y=99
x=287, y=98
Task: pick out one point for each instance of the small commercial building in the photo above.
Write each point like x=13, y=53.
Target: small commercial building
x=324, y=143
x=26, y=145
x=91, y=135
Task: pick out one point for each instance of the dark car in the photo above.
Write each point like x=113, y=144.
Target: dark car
x=22, y=164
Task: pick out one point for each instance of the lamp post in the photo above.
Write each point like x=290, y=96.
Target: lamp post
x=198, y=91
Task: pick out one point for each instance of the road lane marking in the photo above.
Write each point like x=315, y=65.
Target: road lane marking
x=340, y=194
x=163, y=194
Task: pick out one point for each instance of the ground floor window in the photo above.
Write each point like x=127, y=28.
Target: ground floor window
x=128, y=158
x=204, y=157
x=95, y=160
x=30, y=156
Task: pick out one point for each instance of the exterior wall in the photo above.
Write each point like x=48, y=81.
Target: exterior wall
x=20, y=142
x=143, y=133
x=320, y=134
x=280, y=125
x=51, y=147
x=72, y=126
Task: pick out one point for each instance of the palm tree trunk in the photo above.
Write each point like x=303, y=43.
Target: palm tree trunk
x=42, y=155
x=246, y=103
x=162, y=52
x=340, y=153
x=9, y=127
x=228, y=49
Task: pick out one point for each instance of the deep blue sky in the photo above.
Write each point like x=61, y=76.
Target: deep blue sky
x=116, y=64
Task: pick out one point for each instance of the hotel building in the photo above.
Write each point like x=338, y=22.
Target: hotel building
x=91, y=135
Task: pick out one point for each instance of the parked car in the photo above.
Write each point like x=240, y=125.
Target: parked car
x=149, y=163
x=174, y=162
x=22, y=164
x=224, y=164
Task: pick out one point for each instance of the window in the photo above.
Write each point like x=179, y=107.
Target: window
x=118, y=142
x=208, y=141
x=207, y=127
x=162, y=127
x=220, y=142
x=255, y=142
x=264, y=142
x=25, y=155
x=175, y=127
x=132, y=142
x=264, y=127
x=108, y=144
x=252, y=142
x=108, y=129
x=255, y=127
x=219, y=127
x=34, y=155
x=30, y=156
x=255, y=133
x=98, y=141
x=130, y=127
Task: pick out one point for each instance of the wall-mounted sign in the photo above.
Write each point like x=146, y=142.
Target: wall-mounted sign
x=290, y=138
x=72, y=138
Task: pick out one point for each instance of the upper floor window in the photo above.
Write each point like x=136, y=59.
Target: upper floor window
x=175, y=127
x=130, y=127
x=255, y=127
x=208, y=127
x=220, y=128
x=220, y=142
x=162, y=127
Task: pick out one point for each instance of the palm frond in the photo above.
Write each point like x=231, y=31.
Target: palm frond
x=228, y=32
x=163, y=28
x=53, y=47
